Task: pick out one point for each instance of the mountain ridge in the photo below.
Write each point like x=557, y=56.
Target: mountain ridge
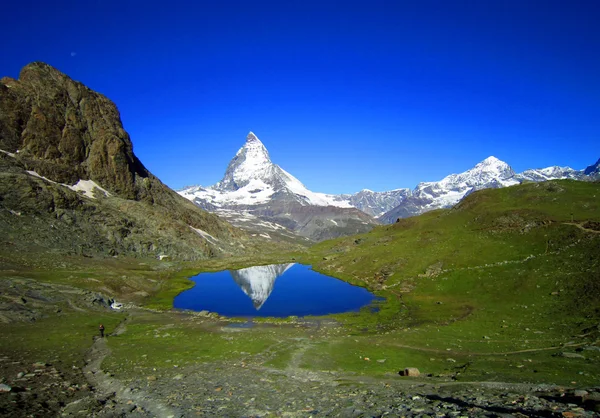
x=68, y=165
x=244, y=189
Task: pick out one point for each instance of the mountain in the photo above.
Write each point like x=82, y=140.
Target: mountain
x=490, y=173
x=252, y=178
x=593, y=171
x=374, y=203
x=549, y=173
x=71, y=183
x=260, y=196
x=258, y=281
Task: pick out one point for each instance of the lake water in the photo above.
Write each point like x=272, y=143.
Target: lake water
x=278, y=290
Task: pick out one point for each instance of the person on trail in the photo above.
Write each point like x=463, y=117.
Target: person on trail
x=101, y=328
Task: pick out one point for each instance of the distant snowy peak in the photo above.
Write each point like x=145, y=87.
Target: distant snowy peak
x=489, y=173
x=252, y=178
x=251, y=162
x=377, y=203
x=489, y=170
x=549, y=173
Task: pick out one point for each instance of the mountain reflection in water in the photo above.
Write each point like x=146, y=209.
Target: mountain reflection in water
x=252, y=292
x=257, y=282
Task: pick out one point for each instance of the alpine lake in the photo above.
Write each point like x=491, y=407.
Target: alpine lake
x=276, y=290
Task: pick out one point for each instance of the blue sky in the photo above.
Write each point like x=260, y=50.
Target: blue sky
x=345, y=95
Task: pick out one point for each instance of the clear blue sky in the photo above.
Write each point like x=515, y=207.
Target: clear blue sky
x=345, y=95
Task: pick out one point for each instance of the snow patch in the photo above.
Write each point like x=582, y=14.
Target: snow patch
x=87, y=187
x=205, y=235
x=33, y=173
x=10, y=154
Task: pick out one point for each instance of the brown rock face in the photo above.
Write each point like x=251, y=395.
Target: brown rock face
x=66, y=132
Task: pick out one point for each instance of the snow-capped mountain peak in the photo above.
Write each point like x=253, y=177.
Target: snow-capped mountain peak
x=254, y=150
x=251, y=162
x=490, y=170
x=427, y=196
x=252, y=178
x=494, y=167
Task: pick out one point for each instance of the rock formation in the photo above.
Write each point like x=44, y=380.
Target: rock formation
x=57, y=136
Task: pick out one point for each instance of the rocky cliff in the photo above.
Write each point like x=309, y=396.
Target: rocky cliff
x=67, y=166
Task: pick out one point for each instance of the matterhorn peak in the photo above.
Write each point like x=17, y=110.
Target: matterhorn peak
x=252, y=137
x=254, y=149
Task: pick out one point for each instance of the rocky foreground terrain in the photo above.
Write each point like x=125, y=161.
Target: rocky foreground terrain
x=87, y=383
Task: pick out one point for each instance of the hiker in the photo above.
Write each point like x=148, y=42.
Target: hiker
x=101, y=328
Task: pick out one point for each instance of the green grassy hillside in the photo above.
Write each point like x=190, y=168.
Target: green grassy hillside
x=507, y=272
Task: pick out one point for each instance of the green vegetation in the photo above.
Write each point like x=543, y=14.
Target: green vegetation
x=61, y=338
x=162, y=341
x=503, y=287
x=506, y=270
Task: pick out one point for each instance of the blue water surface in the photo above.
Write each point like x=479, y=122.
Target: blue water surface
x=298, y=291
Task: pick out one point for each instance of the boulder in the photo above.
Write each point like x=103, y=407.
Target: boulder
x=409, y=372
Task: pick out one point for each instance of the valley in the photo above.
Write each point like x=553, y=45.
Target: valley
x=489, y=282
x=494, y=301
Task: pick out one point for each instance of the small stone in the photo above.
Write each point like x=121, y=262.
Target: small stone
x=410, y=372
x=20, y=375
x=571, y=355
x=381, y=360
x=592, y=348
x=178, y=377
x=151, y=378
x=581, y=393
x=5, y=388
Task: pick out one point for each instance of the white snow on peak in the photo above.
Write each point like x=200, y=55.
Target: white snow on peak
x=490, y=172
x=252, y=178
x=550, y=173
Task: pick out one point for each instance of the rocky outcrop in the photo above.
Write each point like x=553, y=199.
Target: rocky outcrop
x=56, y=133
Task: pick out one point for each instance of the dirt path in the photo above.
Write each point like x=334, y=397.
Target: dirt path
x=109, y=387
x=593, y=231
x=501, y=353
